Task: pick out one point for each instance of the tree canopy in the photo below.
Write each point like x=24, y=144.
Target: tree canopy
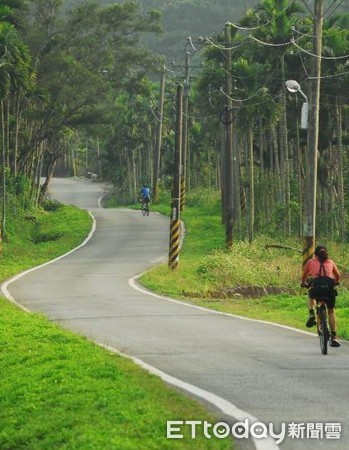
x=80, y=93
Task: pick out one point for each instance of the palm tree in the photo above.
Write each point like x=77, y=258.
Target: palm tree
x=336, y=45
x=14, y=73
x=274, y=21
x=256, y=109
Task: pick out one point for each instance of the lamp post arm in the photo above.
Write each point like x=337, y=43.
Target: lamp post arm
x=301, y=92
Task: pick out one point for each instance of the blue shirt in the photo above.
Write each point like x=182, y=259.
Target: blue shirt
x=145, y=192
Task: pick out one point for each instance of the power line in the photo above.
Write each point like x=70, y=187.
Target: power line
x=317, y=56
x=335, y=75
x=329, y=12
x=334, y=32
x=267, y=44
x=264, y=23
x=166, y=68
x=267, y=101
x=221, y=47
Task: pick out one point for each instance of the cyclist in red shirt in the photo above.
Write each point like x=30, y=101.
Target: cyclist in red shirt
x=312, y=270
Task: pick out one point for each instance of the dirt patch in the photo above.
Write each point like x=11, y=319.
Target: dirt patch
x=244, y=292
x=251, y=291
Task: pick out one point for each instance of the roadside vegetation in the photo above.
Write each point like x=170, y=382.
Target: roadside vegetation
x=256, y=280
x=60, y=391
x=40, y=234
x=81, y=96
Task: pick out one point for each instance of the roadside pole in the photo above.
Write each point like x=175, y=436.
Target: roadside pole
x=184, y=149
x=313, y=138
x=228, y=144
x=176, y=186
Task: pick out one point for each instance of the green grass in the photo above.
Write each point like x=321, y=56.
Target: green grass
x=29, y=244
x=208, y=273
x=60, y=391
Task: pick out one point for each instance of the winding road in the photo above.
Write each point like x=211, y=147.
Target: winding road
x=246, y=369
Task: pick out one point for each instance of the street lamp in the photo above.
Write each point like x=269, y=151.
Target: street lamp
x=293, y=86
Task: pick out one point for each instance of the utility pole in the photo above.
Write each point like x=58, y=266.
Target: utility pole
x=228, y=185
x=176, y=186
x=185, y=128
x=156, y=169
x=313, y=137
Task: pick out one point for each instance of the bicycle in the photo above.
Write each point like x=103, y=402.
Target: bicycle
x=145, y=208
x=323, y=329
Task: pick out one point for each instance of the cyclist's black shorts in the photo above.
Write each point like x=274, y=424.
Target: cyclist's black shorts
x=330, y=301
x=146, y=200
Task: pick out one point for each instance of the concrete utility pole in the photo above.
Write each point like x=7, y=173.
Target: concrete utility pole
x=176, y=187
x=185, y=128
x=228, y=185
x=156, y=169
x=313, y=137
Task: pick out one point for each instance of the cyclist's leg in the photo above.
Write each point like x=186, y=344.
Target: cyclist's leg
x=333, y=323
x=311, y=321
x=311, y=303
x=146, y=202
x=332, y=319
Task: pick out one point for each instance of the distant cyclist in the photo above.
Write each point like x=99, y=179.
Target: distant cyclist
x=145, y=194
x=321, y=265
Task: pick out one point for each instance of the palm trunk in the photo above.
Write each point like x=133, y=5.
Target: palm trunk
x=277, y=171
x=236, y=177
x=3, y=177
x=341, y=199
x=251, y=183
x=18, y=119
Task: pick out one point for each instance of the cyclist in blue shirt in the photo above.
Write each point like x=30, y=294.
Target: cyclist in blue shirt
x=145, y=194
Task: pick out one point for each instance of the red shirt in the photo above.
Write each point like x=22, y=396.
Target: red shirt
x=312, y=269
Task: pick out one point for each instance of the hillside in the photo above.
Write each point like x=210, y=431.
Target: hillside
x=183, y=18
x=195, y=18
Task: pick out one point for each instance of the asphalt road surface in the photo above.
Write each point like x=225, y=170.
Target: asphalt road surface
x=247, y=370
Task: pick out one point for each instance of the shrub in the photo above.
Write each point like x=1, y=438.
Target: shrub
x=51, y=205
x=249, y=264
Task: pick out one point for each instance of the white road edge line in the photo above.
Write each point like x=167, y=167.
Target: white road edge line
x=133, y=283
x=223, y=405
x=4, y=286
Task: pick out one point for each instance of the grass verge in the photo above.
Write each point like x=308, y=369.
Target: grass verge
x=60, y=391
x=42, y=236
x=208, y=275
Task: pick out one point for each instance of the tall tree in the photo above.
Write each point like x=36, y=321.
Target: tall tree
x=83, y=61
x=274, y=21
x=14, y=75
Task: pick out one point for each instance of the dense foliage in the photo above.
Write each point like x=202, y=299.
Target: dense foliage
x=61, y=71
x=80, y=95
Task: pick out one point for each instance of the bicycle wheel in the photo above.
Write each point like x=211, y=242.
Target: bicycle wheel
x=323, y=329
